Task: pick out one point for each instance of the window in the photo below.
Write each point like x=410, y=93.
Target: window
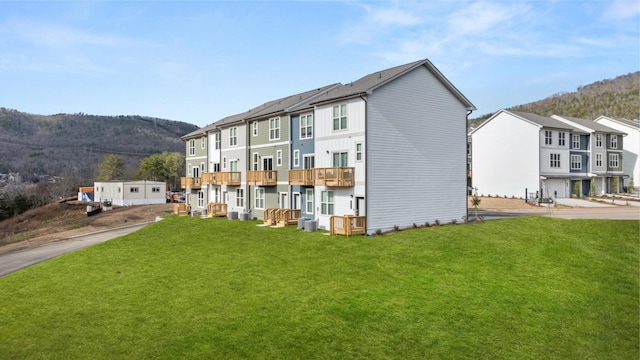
x=309, y=201
x=200, y=199
x=599, y=160
x=134, y=189
x=256, y=161
x=279, y=158
x=155, y=189
x=259, y=198
x=340, y=159
x=468, y=149
x=575, y=141
x=274, y=128
x=614, y=141
x=306, y=126
x=255, y=128
x=216, y=194
x=598, y=140
x=613, y=160
x=202, y=169
x=216, y=167
x=340, y=117
x=309, y=161
x=192, y=147
x=576, y=162
x=547, y=137
x=240, y=197
x=203, y=143
x=561, y=139
x=555, y=160
x=233, y=136
x=326, y=202
x=224, y=162
x=296, y=158
x=217, y=137
x=358, y=151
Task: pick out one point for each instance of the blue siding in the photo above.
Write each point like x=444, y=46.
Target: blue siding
x=585, y=162
x=305, y=146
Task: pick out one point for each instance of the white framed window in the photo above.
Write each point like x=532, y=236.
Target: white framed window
x=203, y=143
x=326, y=202
x=233, y=136
x=192, y=147
x=308, y=161
x=224, y=162
x=599, y=160
x=216, y=194
x=254, y=127
x=256, y=162
x=561, y=137
x=200, y=199
x=575, y=141
x=259, y=198
x=598, y=140
x=306, y=126
x=614, y=160
x=240, y=197
x=309, y=201
x=554, y=160
x=340, y=159
x=195, y=171
x=614, y=142
x=279, y=158
x=134, y=189
x=359, y=151
x=217, y=140
x=202, y=168
x=576, y=162
x=296, y=158
x=274, y=128
x=548, y=137
x=340, y=117
x=216, y=167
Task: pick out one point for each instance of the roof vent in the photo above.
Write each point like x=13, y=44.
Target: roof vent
x=379, y=75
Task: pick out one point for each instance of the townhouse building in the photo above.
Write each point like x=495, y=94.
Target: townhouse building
x=525, y=155
x=630, y=147
x=389, y=147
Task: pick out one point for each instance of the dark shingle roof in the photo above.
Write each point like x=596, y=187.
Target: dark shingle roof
x=543, y=121
x=592, y=125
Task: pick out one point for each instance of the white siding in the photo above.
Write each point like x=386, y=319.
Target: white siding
x=416, y=153
x=631, y=146
x=119, y=192
x=506, y=157
x=238, y=152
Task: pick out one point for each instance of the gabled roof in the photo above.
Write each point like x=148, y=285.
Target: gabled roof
x=368, y=84
x=590, y=125
x=634, y=124
x=534, y=119
x=282, y=105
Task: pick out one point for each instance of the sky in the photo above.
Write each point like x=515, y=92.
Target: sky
x=200, y=61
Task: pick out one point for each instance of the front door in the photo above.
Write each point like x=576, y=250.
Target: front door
x=267, y=163
x=284, y=200
x=296, y=201
x=360, y=207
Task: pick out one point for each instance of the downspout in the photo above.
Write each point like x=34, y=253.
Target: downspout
x=366, y=160
x=466, y=135
x=247, y=156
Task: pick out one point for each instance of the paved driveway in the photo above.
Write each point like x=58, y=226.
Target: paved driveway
x=20, y=259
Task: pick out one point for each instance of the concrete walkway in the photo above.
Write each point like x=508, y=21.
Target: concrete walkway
x=590, y=204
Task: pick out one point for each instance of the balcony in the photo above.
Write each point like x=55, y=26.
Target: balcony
x=228, y=178
x=208, y=178
x=190, y=183
x=335, y=176
x=301, y=177
x=262, y=178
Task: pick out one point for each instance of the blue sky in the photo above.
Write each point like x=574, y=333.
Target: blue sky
x=199, y=61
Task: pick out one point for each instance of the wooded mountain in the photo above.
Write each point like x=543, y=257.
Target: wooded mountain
x=617, y=98
x=77, y=143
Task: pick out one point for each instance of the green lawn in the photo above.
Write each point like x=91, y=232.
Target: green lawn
x=192, y=288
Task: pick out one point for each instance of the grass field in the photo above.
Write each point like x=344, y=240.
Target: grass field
x=192, y=288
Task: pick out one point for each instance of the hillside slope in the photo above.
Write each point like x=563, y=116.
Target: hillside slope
x=618, y=98
x=55, y=144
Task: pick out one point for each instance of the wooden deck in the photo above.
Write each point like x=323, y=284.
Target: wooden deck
x=348, y=225
x=228, y=178
x=216, y=209
x=181, y=209
x=301, y=177
x=208, y=178
x=269, y=216
x=262, y=178
x=190, y=182
x=334, y=176
x=287, y=216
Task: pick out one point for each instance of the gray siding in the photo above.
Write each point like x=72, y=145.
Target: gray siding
x=416, y=153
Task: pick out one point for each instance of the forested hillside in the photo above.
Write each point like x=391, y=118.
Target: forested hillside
x=76, y=143
x=618, y=98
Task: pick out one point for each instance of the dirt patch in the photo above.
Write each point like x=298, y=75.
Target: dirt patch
x=63, y=220
x=503, y=204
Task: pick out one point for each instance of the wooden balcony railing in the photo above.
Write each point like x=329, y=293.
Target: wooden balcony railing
x=348, y=225
x=208, y=178
x=301, y=177
x=335, y=176
x=216, y=209
x=262, y=177
x=228, y=178
x=190, y=182
x=181, y=209
x=287, y=216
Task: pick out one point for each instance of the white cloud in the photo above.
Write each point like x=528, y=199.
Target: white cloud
x=623, y=9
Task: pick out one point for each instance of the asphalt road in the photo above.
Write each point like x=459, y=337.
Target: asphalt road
x=20, y=259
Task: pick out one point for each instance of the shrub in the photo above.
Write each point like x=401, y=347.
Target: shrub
x=395, y=227
x=454, y=221
x=437, y=222
x=415, y=225
x=378, y=232
x=426, y=224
